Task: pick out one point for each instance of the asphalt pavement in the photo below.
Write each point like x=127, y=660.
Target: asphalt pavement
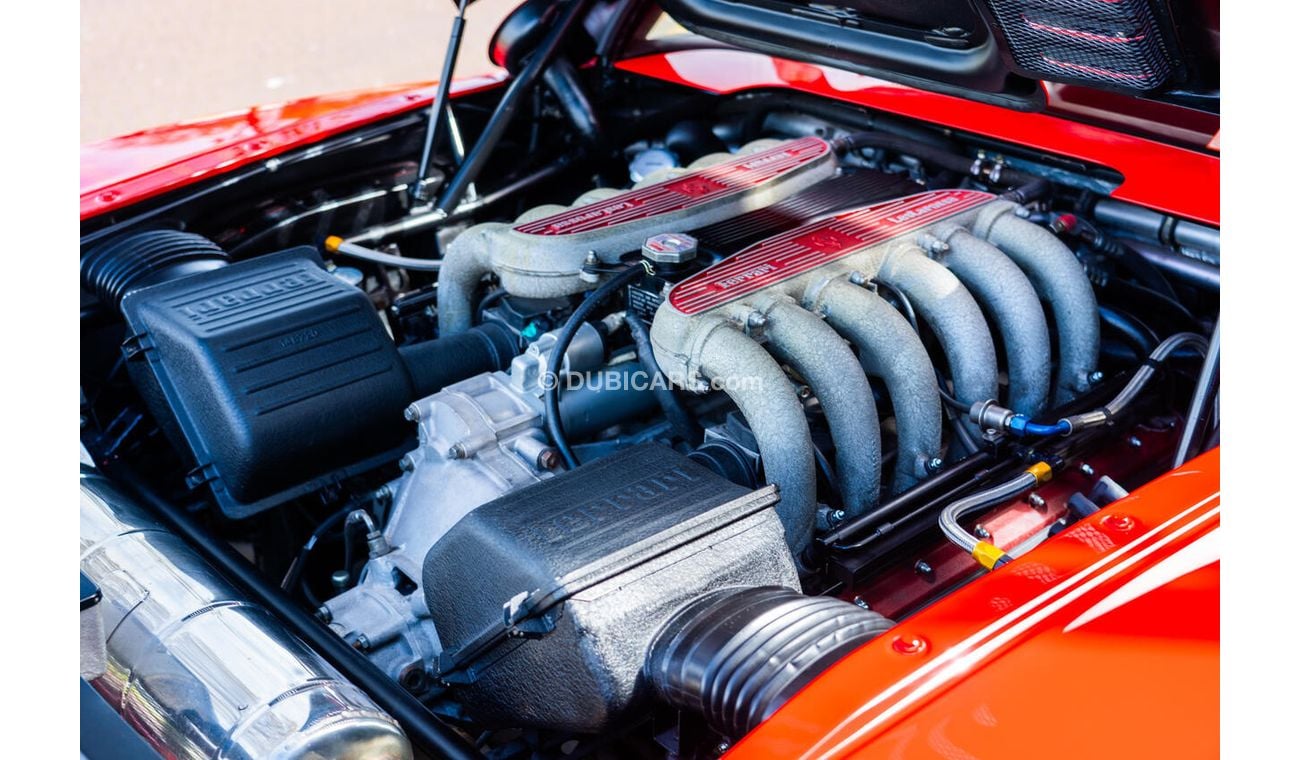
x=151, y=62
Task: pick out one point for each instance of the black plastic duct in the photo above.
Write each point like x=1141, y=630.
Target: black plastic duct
x=130, y=262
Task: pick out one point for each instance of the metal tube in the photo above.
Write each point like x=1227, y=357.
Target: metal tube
x=465, y=264
x=336, y=244
x=975, y=469
x=826, y=362
x=1200, y=398
x=1191, y=271
x=425, y=729
x=1060, y=280
x=890, y=349
x=440, y=100
x=505, y=111
x=986, y=498
x=1156, y=226
x=1009, y=299
x=199, y=671
x=433, y=219
x=759, y=387
x=950, y=310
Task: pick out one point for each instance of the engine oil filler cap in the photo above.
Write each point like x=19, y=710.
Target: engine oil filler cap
x=670, y=248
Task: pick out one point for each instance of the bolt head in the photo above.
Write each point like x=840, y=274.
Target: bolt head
x=1086, y=469
x=412, y=678
x=1036, y=501
x=412, y=413
x=548, y=459
x=907, y=644
x=406, y=464
x=1119, y=522
x=1135, y=442
x=934, y=464
x=1096, y=377
x=861, y=602
x=923, y=568
x=837, y=516
x=755, y=321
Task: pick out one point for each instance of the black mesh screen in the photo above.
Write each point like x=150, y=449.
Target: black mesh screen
x=1110, y=42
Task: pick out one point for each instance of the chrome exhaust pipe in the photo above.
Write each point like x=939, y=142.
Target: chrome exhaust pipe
x=198, y=671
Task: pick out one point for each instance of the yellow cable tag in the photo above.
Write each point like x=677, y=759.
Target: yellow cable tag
x=987, y=554
x=332, y=243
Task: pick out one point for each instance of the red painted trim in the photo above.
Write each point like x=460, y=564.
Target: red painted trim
x=1102, y=642
x=816, y=244
x=691, y=189
x=124, y=170
x=1157, y=175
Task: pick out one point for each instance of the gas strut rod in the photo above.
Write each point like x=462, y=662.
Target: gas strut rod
x=505, y=111
x=439, y=105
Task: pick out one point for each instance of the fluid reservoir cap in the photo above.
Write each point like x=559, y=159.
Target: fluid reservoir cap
x=350, y=275
x=649, y=161
x=670, y=248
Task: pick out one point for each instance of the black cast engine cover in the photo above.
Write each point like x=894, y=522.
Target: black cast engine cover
x=547, y=599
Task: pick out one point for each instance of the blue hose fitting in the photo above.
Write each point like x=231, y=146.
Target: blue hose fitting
x=1020, y=425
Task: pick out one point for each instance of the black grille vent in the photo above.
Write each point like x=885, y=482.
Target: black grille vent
x=1116, y=43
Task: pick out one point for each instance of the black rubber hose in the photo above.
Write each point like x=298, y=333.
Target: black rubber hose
x=555, y=365
x=1133, y=333
x=113, y=269
x=561, y=79
x=737, y=654
x=1028, y=191
x=422, y=727
x=435, y=364
x=682, y=423
x=299, y=563
x=490, y=300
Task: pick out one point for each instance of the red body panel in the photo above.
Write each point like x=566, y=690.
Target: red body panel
x=123, y=170
x=1103, y=642
x=1165, y=177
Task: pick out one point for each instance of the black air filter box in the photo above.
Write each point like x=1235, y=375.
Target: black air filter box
x=274, y=375
x=546, y=599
